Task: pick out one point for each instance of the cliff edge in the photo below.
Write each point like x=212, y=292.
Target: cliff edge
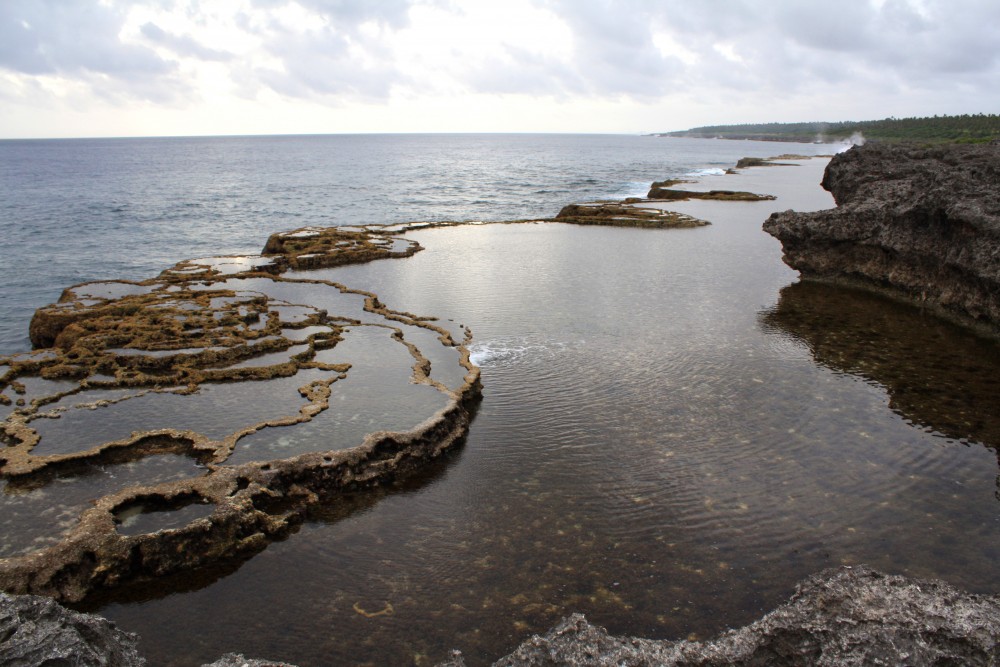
x=913, y=222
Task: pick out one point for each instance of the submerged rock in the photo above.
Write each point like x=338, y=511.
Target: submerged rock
x=849, y=616
x=37, y=631
x=918, y=223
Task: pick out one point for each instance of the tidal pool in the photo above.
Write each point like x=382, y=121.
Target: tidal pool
x=673, y=433
x=185, y=369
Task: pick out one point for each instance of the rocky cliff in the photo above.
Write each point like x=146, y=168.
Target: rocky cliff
x=918, y=223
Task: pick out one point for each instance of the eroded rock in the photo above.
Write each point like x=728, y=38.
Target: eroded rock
x=673, y=194
x=237, y=660
x=922, y=224
x=851, y=616
x=128, y=360
x=625, y=215
x=37, y=631
x=747, y=162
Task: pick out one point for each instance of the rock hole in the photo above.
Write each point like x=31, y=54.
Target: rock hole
x=151, y=514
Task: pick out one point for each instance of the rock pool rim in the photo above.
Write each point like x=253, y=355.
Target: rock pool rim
x=254, y=503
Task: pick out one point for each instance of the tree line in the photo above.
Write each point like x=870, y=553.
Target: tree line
x=966, y=128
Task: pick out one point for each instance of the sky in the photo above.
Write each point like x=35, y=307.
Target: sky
x=85, y=68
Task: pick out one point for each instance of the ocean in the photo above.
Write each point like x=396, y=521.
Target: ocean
x=93, y=209
x=673, y=430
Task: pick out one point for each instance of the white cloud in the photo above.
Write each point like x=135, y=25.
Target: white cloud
x=664, y=64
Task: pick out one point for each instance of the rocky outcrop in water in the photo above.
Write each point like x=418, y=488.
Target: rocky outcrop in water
x=850, y=616
x=844, y=617
x=673, y=194
x=172, y=498
x=623, y=214
x=37, y=631
x=918, y=223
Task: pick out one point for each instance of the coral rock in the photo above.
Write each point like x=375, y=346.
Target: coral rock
x=922, y=224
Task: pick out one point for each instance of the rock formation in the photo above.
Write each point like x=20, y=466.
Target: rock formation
x=210, y=482
x=625, y=215
x=237, y=660
x=851, y=616
x=673, y=194
x=918, y=223
x=36, y=631
x=842, y=617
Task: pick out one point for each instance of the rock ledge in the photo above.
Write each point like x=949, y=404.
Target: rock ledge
x=918, y=223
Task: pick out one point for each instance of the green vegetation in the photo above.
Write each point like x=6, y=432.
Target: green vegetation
x=968, y=128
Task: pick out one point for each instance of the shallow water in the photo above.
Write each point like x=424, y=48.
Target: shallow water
x=37, y=516
x=88, y=209
x=667, y=443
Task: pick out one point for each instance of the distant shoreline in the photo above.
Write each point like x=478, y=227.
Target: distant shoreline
x=750, y=137
x=963, y=129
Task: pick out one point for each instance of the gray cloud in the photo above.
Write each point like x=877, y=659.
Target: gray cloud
x=71, y=39
x=321, y=59
x=786, y=49
x=348, y=14
x=613, y=55
x=182, y=45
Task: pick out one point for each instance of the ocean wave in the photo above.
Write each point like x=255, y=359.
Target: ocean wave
x=710, y=171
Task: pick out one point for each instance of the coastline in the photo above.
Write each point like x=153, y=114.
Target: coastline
x=706, y=208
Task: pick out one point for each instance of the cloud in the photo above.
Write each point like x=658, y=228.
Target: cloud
x=182, y=45
x=72, y=39
x=752, y=60
x=345, y=14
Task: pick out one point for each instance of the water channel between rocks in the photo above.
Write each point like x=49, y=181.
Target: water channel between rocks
x=672, y=434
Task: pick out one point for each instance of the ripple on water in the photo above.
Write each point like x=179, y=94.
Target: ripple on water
x=37, y=516
x=215, y=410
x=647, y=451
x=378, y=394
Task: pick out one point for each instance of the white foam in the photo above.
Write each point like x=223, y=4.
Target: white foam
x=496, y=353
x=711, y=171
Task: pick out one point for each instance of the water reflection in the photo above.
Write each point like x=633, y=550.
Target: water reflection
x=938, y=376
x=645, y=453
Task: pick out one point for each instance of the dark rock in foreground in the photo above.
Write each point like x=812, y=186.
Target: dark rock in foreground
x=237, y=660
x=839, y=617
x=845, y=617
x=38, y=631
x=917, y=223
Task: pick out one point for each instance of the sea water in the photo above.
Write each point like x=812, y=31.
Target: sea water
x=673, y=431
x=93, y=209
